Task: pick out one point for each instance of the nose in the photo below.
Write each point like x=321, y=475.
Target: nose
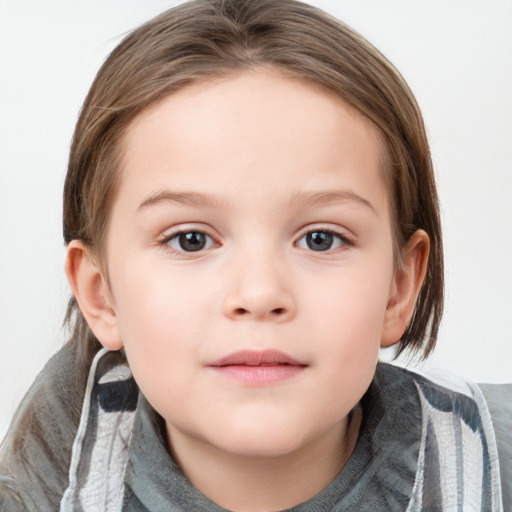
x=260, y=289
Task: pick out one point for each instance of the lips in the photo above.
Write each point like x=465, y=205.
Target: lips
x=257, y=358
x=258, y=368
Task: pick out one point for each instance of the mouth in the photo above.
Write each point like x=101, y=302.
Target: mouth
x=258, y=368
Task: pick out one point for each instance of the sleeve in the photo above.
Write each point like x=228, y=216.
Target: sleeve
x=499, y=402
x=35, y=454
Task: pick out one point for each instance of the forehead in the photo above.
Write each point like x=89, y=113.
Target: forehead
x=229, y=131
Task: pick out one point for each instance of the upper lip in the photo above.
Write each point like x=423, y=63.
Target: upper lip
x=268, y=357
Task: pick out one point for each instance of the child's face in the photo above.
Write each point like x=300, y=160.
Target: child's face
x=252, y=222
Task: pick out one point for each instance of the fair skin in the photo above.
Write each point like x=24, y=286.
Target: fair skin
x=251, y=281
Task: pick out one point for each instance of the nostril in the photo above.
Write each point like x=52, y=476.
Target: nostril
x=278, y=311
x=240, y=311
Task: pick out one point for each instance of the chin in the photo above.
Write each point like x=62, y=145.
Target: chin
x=262, y=448
x=262, y=440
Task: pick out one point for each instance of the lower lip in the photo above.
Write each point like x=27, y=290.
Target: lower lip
x=259, y=375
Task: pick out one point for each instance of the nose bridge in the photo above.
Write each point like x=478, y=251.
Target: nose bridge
x=259, y=285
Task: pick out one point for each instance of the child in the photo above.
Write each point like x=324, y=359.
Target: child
x=250, y=214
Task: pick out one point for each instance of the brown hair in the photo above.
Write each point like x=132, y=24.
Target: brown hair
x=207, y=38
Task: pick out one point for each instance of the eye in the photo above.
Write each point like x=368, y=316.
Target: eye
x=322, y=240
x=189, y=241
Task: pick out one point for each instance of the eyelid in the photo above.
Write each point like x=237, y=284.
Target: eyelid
x=330, y=228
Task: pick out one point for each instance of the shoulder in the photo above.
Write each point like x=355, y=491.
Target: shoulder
x=461, y=422
x=444, y=393
x=35, y=454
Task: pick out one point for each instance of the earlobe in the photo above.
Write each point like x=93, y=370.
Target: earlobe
x=91, y=292
x=405, y=288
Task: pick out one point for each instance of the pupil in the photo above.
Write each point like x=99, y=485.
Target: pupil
x=192, y=241
x=319, y=240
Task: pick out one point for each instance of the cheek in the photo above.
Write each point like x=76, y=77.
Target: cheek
x=155, y=297
x=347, y=315
x=161, y=318
x=352, y=303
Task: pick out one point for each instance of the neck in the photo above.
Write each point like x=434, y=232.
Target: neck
x=255, y=484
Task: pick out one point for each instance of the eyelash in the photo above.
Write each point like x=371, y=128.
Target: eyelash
x=344, y=240
x=166, y=241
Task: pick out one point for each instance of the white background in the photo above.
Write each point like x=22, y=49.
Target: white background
x=457, y=57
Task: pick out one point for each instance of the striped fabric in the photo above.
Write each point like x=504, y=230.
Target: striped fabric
x=458, y=461
x=100, y=450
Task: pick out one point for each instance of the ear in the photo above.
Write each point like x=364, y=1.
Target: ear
x=91, y=291
x=405, y=288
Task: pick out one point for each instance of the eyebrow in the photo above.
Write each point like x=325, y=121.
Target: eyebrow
x=298, y=198
x=321, y=198
x=185, y=198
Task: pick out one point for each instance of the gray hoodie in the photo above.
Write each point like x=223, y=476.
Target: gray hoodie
x=111, y=453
